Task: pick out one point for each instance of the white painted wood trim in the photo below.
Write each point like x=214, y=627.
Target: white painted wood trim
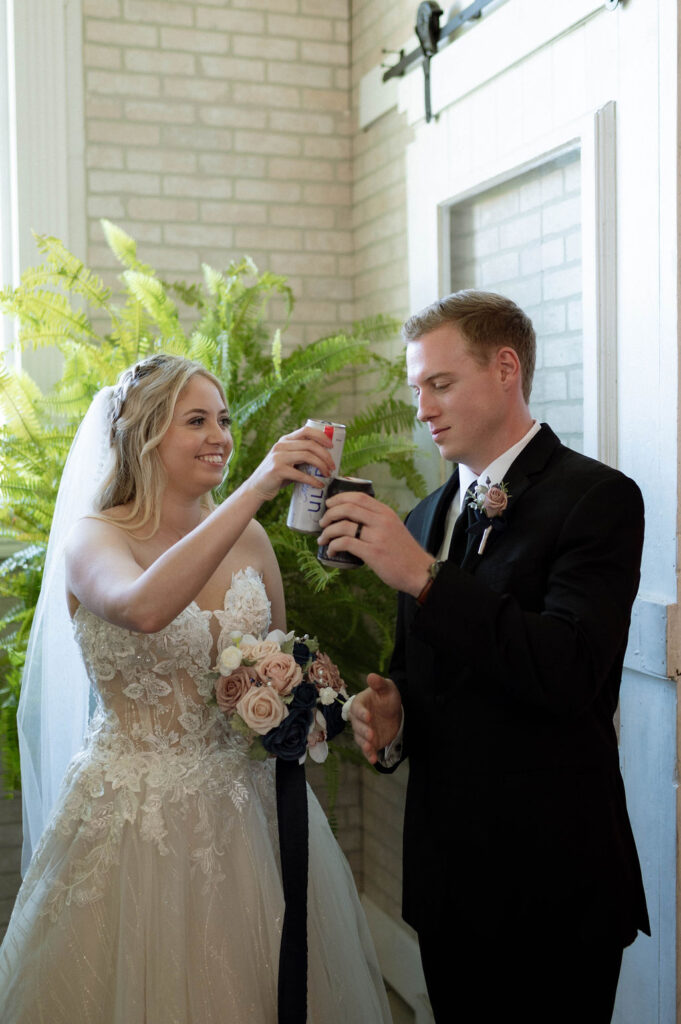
x=8, y=176
x=50, y=137
x=594, y=135
x=49, y=123
x=511, y=31
x=599, y=288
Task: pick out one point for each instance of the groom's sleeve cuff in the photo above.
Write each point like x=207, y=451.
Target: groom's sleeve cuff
x=391, y=755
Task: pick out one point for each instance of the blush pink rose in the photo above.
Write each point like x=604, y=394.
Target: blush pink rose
x=259, y=650
x=495, y=501
x=323, y=672
x=281, y=671
x=230, y=689
x=262, y=709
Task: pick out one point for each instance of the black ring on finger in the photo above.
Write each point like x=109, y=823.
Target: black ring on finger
x=358, y=531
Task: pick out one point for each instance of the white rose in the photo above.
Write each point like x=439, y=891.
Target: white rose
x=229, y=659
x=345, y=713
x=327, y=695
x=279, y=636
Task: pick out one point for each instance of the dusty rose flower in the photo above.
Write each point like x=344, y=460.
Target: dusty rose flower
x=259, y=649
x=495, y=501
x=323, y=672
x=230, y=689
x=281, y=671
x=262, y=709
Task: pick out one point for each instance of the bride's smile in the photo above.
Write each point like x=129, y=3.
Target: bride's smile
x=198, y=433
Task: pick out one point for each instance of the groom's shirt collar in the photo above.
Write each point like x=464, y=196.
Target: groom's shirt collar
x=495, y=471
x=499, y=467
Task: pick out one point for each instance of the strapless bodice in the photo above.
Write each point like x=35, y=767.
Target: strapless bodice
x=156, y=687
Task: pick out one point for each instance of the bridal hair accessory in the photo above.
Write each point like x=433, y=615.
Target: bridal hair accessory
x=488, y=502
x=127, y=380
x=282, y=694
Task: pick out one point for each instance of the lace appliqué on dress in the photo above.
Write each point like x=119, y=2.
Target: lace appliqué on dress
x=157, y=751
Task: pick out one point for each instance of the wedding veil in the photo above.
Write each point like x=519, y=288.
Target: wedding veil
x=56, y=703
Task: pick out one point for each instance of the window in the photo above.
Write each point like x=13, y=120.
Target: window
x=522, y=238
x=8, y=191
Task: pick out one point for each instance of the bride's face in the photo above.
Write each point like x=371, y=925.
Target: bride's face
x=195, y=448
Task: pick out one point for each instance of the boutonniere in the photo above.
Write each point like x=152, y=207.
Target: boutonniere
x=488, y=502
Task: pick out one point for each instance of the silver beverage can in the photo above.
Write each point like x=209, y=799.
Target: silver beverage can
x=307, y=502
x=343, y=559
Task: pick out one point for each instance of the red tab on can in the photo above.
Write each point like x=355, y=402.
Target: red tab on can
x=328, y=430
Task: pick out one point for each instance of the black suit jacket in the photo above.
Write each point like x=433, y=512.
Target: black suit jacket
x=509, y=673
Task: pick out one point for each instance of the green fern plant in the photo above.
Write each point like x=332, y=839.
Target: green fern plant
x=63, y=304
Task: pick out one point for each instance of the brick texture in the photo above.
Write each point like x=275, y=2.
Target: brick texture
x=218, y=129
x=522, y=238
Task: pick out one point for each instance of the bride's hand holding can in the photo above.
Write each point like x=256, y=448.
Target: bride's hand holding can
x=288, y=459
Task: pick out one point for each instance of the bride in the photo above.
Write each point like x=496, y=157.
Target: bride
x=154, y=892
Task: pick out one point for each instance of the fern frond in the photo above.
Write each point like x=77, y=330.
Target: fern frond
x=329, y=355
x=316, y=575
x=123, y=247
x=202, y=348
x=379, y=327
x=19, y=395
x=53, y=309
x=392, y=416
x=276, y=354
x=70, y=272
x=213, y=278
x=368, y=448
x=149, y=291
x=256, y=398
x=405, y=471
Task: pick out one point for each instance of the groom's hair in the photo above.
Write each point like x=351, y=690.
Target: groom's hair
x=487, y=321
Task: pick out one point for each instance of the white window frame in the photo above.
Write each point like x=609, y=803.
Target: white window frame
x=594, y=136
x=8, y=170
x=43, y=157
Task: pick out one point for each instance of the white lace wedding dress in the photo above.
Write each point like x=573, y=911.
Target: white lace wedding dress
x=155, y=894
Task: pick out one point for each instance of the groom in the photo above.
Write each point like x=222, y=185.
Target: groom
x=516, y=581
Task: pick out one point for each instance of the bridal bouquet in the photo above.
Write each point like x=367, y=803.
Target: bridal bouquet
x=282, y=694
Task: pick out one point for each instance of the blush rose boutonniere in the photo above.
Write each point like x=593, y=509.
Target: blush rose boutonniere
x=282, y=694
x=488, y=502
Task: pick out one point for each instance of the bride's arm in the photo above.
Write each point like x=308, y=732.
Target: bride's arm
x=271, y=576
x=102, y=572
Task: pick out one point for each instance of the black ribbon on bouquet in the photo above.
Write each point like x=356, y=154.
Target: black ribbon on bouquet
x=293, y=846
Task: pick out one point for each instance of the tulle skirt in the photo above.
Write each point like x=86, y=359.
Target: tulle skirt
x=174, y=916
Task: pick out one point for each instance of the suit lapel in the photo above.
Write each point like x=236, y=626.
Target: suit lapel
x=521, y=475
x=427, y=521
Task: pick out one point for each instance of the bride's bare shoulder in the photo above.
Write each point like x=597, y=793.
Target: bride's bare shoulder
x=111, y=526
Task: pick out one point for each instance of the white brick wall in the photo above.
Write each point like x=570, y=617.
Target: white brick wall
x=523, y=239
x=214, y=131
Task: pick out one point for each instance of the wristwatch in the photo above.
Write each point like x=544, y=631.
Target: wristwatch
x=433, y=570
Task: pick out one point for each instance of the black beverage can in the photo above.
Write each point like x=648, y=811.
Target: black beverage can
x=339, y=485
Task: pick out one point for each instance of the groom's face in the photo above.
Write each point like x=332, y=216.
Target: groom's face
x=462, y=401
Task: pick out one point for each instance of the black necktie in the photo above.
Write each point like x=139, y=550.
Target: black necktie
x=461, y=539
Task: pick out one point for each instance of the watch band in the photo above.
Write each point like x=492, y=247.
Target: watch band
x=433, y=570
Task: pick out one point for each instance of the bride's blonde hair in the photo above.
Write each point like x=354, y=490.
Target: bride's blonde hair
x=143, y=403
